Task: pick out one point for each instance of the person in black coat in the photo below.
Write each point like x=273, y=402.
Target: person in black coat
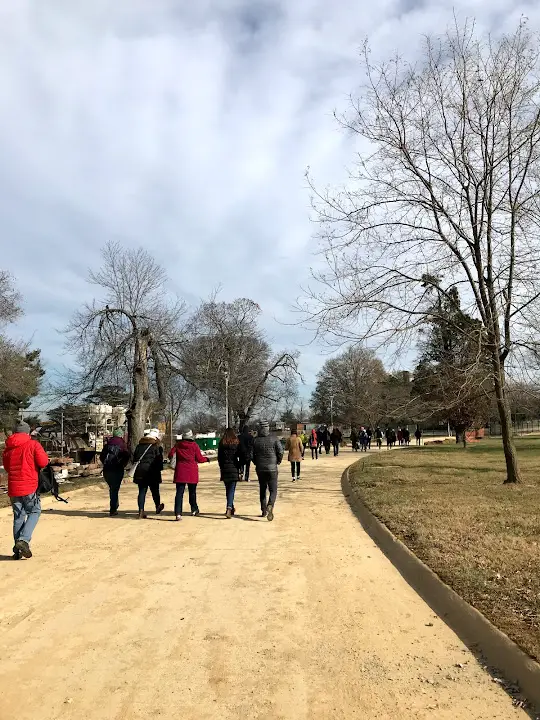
x=229, y=465
x=245, y=452
x=149, y=455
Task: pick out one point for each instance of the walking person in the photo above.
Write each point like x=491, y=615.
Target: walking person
x=188, y=458
x=149, y=458
x=114, y=458
x=245, y=452
x=354, y=440
x=267, y=456
x=314, y=445
x=22, y=459
x=406, y=436
x=378, y=436
x=304, y=438
x=363, y=440
x=400, y=436
x=369, y=433
x=229, y=466
x=296, y=455
x=335, y=439
x=418, y=435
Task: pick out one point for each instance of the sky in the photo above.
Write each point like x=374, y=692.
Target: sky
x=186, y=128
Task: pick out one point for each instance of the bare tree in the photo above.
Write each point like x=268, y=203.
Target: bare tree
x=131, y=335
x=445, y=187
x=10, y=299
x=226, y=346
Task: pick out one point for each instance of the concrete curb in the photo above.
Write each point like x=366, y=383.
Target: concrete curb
x=469, y=624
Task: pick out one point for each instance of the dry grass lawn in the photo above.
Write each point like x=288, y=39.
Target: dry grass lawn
x=449, y=505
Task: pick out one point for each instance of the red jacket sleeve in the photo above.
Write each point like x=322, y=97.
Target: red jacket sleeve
x=5, y=460
x=40, y=456
x=172, y=451
x=199, y=457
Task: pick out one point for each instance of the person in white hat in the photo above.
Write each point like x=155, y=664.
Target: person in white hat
x=188, y=458
x=149, y=456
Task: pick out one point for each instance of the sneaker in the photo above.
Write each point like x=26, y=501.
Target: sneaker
x=233, y=510
x=229, y=513
x=142, y=515
x=160, y=508
x=113, y=513
x=23, y=548
x=195, y=512
x=16, y=555
x=294, y=479
x=270, y=513
x=178, y=518
x=264, y=513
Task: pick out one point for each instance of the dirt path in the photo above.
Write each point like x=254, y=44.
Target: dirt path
x=304, y=618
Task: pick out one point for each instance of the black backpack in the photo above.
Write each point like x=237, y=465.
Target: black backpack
x=112, y=459
x=47, y=483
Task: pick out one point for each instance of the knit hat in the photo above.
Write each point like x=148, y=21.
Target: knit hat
x=153, y=433
x=119, y=432
x=188, y=435
x=264, y=425
x=22, y=427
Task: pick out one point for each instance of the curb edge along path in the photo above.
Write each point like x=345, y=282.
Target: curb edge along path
x=300, y=619
x=497, y=649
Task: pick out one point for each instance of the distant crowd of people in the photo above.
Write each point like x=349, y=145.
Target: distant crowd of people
x=24, y=458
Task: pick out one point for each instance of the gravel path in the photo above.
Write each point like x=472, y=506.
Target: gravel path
x=302, y=618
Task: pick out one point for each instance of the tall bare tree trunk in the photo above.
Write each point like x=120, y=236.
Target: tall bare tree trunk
x=512, y=468
x=140, y=403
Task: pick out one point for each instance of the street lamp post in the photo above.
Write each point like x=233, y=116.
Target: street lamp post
x=331, y=411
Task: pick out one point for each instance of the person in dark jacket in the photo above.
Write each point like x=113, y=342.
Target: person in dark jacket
x=186, y=473
x=229, y=466
x=335, y=439
x=354, y=440
x=267, y=455
x=149, y=455
x=245, y=452
x=114, y=458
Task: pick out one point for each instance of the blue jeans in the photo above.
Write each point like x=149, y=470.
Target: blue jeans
x=113, y=478
x=179, y=497
x=26, y=512
x=230, y=488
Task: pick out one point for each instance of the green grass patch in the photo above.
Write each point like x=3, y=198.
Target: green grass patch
x=449, y=505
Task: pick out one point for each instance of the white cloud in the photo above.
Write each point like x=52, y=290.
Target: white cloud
x=186, y=128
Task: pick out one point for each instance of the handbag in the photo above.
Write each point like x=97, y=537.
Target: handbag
x=133, y=469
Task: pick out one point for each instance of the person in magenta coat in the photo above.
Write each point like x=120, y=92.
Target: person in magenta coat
x=186, y=472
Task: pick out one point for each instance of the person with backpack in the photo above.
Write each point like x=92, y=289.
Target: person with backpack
x=148, y=462
x=229, y=466
x=114, y=458
x=23, y=458
x=379, y=436
x=188, y=458
x=245, y=452
x=267, y=456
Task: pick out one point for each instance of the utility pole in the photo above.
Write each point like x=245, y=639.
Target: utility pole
x=62, y=432
x=226, y=372
x=331, y=411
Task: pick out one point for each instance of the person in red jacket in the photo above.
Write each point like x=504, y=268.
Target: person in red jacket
x=186, y=472
x=23, y=457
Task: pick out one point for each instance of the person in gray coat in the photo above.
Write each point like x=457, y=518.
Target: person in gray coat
x=267, y=455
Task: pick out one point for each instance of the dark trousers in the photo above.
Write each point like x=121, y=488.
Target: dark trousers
x=268, y=481
x=154, y=489
x=336, y=449
x=244, y=469
x=327, y=448
x=179, y=497
x=314, y=453
x=295, y=469
x=230, y=489
x=113, y=478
